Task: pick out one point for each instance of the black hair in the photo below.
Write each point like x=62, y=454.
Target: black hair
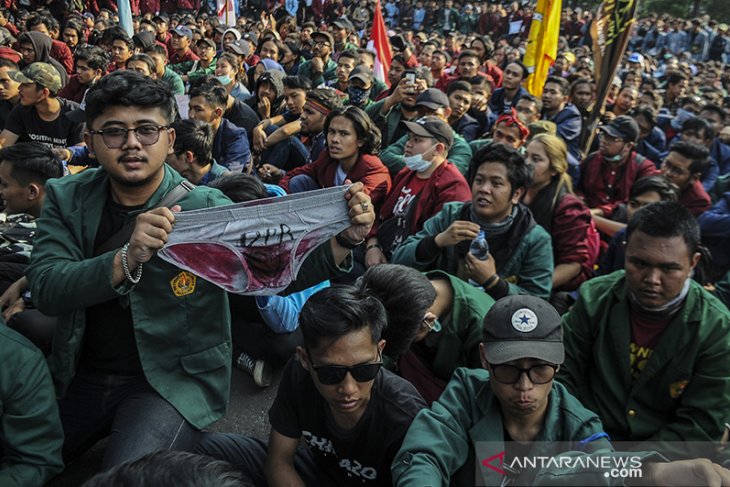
x=338, y=310
x=277, y=42
x=711, y=107
x=148, y=22
x=76, y=25
x=129, y=89
x=468, y=53
x=195, y=136
x=116, y=33
x=212, y=90
x=458, y=85
x=666, y=219
x=698, y=154
x=240, y=187
x=532, y=99
x=297, y=83
x=7, y=63
x=367, y=52
x=525, y=72
x=156, y=49
x=170, y=467
x=488, y=46
x=645, y=111
x=32, y=162
x=351, y=53
x=326, y=97
x=666, y=190
x=424, y=73
x=365, y=129
x=145, y=58
x=407, y=294
x=519, y=172
x=35, y=19
x=697, y=124
x=676, y=77
x=95, y=57
x=561, y=82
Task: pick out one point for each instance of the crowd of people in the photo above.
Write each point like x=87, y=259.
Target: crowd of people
x=496, y=270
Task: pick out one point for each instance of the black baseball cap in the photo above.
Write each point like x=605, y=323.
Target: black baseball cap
x=431, y=126
x=343, y=23
x=433, y=98
x=624, y=127
x=362, y=73
x=523, y=326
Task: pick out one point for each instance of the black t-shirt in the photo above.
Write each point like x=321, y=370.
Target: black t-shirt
x=28, y=126
x=242, y=115
x=5, y=108
x=109, y=344
x=361, y=456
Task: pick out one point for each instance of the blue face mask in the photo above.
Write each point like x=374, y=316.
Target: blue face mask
x=417, y=163
x=224, y=79
x=357, y=95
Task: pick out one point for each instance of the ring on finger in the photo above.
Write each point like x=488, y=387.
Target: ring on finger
x=364, y=206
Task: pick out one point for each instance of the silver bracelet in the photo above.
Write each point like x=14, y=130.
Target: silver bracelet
x=125, y=267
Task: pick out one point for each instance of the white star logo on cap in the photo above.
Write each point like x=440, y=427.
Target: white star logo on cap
x=524, y=320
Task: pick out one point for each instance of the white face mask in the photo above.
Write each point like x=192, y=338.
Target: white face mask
x=417, y=163
x=224, y=79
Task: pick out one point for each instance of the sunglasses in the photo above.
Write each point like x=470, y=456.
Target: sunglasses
x=331, y=375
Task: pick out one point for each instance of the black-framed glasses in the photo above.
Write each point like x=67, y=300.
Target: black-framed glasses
x=509, y=374
x=331, y=375
x=115, y=137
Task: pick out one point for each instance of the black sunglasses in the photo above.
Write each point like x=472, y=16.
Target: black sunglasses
x=330, y=375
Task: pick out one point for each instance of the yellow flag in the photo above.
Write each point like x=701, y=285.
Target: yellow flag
x=542, y=44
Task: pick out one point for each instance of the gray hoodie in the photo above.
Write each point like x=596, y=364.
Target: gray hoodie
x=42, y=45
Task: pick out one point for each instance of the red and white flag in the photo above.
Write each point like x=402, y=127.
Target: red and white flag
x=380, y=44
x=226, y=13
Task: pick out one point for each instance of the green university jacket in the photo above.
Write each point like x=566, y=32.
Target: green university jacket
x=31, y=436
x=529, y=270
x=440, y=446
x=182, y=329
x=683, y=392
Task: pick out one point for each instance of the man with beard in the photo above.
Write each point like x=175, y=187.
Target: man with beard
x=321, y=67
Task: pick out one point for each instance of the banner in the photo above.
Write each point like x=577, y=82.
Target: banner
x=542, y=44
x=610, y=32
x=125, y=17
x=380, y=44
x=226, y=12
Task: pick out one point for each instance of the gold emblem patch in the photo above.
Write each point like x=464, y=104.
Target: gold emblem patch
x=183, y=284
x=676, y=389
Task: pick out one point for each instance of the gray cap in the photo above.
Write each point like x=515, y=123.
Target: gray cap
x=433, y=98
x=432, y=127
x=362, y=73
x=523, y=326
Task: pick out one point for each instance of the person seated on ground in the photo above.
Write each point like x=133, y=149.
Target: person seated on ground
x=481, y=91
x=335, y=395
x=268, y=94
x=227, y=72
x=426, y=351
x=230, y=143
x=509, y=130
x=606, y=176
x=143, y=64
x=192, y=70
x=192, y=152
x=163, y=70
x=459, y=93
x=556, y=107
x=419, y=190
x=40, y=116
x=312, y=139
x=506, y=97
x=352, y=142
x=647, y=349
x=564, y=216
x=467, y=67
x=529, y=109
x=399, y=104
x=180, y=41
x=520, y=252
x=279, y=129
x=91, y=64
x=626, y=99
x=646, y=191
x=698, y=131
x=722, y=289
x=31, y=436
x=71, y=276
x=715, y=230
x=321, y=67
x=513, y=400
x=720, y=150
x=346, y=62
x=430, y=102
x=177, y=468
x=359, y=86
x=120, y=47
x=683, y=166
x=35, y=48
x=652, y=141
x=9, y=94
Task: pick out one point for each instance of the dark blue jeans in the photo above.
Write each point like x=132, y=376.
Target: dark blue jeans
x=125, y=408
x=249, y=455
x=287, y=154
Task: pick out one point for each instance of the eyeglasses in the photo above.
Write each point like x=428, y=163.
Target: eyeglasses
x=331, y=375
x=115, y=137
x=610, y=138
x=322, y=43
x=538, y=374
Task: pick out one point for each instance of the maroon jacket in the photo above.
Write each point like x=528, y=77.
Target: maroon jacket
x=595, y=173
x=368, y=170
x=61, y=53
x=695, y=199
x=73, y=90
x=445, y=185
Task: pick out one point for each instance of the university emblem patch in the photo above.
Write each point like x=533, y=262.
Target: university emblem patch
x=676, y=389
x=183, y=284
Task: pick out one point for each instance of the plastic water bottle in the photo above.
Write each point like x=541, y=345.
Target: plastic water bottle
x=480, y=249
x=479, y=246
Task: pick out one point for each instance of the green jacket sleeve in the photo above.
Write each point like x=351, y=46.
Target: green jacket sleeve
x=578, y=337
x=183, y=67
x=393, y=157
x=535, y=272
x=722, y=290
x=317, y=267
x=460, y=154
x=437, y=442
x=31, y=436
x=405, y=253
x=200, y=72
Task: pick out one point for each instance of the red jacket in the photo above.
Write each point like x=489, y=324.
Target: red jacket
x=73, y=90
x=445, y=185
x=595, y=173
x=368, y=170
x=177, y=57
x=61, y=53
x=695, y=199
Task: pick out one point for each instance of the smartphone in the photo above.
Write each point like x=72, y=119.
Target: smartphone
x=411, y=77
